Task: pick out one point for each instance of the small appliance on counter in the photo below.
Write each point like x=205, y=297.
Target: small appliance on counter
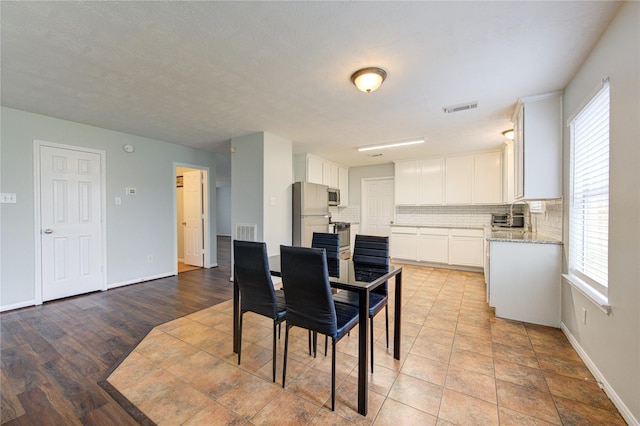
x=501, y=221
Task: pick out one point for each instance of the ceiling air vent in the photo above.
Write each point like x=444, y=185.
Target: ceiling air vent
x=461, y=107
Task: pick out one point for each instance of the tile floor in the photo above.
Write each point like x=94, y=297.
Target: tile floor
x=459, y=365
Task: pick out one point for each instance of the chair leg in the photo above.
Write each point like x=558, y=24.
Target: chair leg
x=371, y=344
x=326, y=339
x=240, y=337
x=275, y=349
x=309, y=342
x=386, y=317
x=333, y=374
x=286, y=348
x=315, y=344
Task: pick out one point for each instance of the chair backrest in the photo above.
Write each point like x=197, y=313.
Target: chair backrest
x=251, y=272
x=372, y=250
x=306, y=287
x=329, y=242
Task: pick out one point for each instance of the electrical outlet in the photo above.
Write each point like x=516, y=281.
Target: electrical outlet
x=150, y=258
x=7, y=198
x=584, y=315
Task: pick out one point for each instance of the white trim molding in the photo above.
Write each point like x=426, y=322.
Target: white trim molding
x=625, y=412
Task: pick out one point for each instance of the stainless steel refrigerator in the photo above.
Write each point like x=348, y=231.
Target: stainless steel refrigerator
x=310, y=212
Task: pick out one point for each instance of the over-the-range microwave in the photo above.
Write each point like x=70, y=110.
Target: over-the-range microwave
x=334, y=196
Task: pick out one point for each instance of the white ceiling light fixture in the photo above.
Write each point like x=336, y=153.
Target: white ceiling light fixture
x=390, y=145
x=368, y=79
x=509, y=134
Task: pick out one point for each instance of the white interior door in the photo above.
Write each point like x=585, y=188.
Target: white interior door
x=377, y=206
x=70, y=218
x=193, y=217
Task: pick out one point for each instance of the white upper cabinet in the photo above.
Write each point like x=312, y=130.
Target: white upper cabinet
x=310, y=168
x=487, y=178
x=538, y=147
x=455, y=180
x=458, y=179
x=406, y=182
x=431, y=181
x=315, y=172
x=343, y=185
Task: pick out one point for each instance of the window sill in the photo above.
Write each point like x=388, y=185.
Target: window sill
x=598, y=299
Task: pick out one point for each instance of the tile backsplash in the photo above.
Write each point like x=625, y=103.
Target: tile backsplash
x=451, y=216
x=548, y=223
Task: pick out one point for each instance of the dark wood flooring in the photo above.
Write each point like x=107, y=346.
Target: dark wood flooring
x=53, y=355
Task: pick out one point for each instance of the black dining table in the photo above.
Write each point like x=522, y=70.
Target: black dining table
x=360, y=278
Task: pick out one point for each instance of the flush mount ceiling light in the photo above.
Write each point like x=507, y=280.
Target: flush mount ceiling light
x=390, y=145
x=368, y=79
x=508, y=134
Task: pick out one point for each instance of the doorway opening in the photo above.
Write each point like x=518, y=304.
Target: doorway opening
x=192, y=218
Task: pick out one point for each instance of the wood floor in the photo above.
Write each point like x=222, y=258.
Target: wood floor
x=53, y=355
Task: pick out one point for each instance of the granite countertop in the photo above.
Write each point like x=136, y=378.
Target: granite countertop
x=521, y=237
x=413, y=225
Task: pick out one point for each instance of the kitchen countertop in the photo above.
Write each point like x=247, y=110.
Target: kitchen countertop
x=407, y=225
x=521, y=237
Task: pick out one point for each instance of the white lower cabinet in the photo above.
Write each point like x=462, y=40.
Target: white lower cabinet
x=524, y=281
x=433, y=245
x=448, y=246
x=404, y=243
x=466, y=247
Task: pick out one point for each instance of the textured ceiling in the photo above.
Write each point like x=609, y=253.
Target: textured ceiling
x=200, y=73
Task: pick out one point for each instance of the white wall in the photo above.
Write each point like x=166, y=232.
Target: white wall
x=262, y=169
x=223, y=212
x=611, y=344
x=143, y=225
x=278, y=178
x=356, y=174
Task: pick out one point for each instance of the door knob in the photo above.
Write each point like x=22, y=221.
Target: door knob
x=48, y=231
x=184, y=223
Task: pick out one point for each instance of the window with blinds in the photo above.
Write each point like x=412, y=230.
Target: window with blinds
x=589, y=207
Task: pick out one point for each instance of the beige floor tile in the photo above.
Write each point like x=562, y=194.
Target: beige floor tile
x=458, y=362
x=250, y=396
x=472, y=361
x=473, y=384
x=577, y=413
x=417, y=393
x=393, y=412
x=527, y=401
x=215, y=414
x=425, y=369
x=462, y=409
x=286, y=409
x=578, y=390
x=513, y=418
x=521, y=375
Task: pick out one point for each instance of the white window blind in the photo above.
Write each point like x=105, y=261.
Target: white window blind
x=589, y=208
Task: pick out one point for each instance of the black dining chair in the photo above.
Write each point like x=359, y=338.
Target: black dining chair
x=257, y=294
x=374, y=251
x=310, y=303
x=331, y=243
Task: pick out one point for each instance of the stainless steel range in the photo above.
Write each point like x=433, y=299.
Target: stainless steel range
x=344, y=229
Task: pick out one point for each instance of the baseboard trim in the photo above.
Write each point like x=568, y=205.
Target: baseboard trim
x=141, y=279
x=602, y=381
x=20, y=305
